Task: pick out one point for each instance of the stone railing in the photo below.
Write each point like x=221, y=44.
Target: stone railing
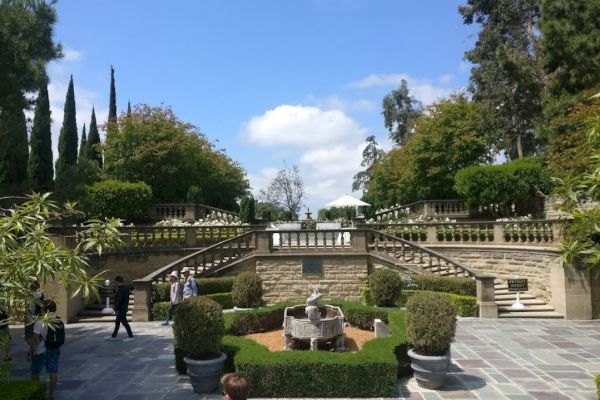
x=454, y=208
x=183, y=211
x=202, y=262
x=322, y=239
x=514, y=233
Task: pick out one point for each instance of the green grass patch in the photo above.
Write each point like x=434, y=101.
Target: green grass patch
x=22, y=390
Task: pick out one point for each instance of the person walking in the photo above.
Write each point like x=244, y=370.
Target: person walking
x=176, y=296
x=44, y=346
x=190, y=287
x=35, y=308
x=120, y=307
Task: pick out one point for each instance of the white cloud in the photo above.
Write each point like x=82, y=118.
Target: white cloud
x=72, y=54
x=422, y=89
x=446, y=78
x=344, y=105
x=329, y=144
x=301, y=126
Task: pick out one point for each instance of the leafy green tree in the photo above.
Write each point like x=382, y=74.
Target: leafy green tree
x=154, y=146
x=247, y=210
x=195, y=195
x=14, y=150
x=447, y=137
x=93, y=151
x=28, y=253
x=67, y=141
x=506, y=78
x=41, y=168
x=371, y=155
x=286, y=190
x=26, y=45
x=400, y=111
x=112, y=106
x=83, y=144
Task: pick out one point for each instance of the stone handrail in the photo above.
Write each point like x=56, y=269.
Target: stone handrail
x=435, y=263
x=513, y=233
x=200, y=263
x=428, y=208
x=183, y=211
x=321, y=239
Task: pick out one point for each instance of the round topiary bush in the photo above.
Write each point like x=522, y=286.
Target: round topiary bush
x=386, y=286
x=430, y=323
x=247, y=290
x=199, y=327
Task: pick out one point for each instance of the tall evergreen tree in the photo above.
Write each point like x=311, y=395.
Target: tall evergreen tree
x=83, y=144
x=14, y=150
x=112, y=107
x=506, y=77
x=41, y=168
x=67, y=141
x=128, y=108
x=400, y=111
x=93, y=143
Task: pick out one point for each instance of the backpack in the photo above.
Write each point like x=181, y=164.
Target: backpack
x=55, y=337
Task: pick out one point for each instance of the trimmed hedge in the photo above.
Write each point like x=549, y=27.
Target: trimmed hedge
x=360, y=316
x=117, y=199
x=466, y=306
x=436, y=283
x=162, y=291
x=318, y=374
x=598, y=385
x=159, y=309
x=22, y=390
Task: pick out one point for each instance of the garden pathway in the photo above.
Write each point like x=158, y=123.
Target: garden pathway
x=492, y=359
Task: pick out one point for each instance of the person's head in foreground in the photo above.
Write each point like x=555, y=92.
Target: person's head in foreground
x=235, y=386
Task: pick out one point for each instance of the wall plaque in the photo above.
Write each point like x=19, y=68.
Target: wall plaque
x=312, y=265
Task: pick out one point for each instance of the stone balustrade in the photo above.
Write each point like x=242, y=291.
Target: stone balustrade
x=454, y=208
x=182, y=211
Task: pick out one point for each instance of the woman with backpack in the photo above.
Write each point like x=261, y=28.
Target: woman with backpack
x=44, y=346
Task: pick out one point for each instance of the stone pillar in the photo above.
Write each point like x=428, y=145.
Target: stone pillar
x=486, y=296
x=67, y=305
x=431, y=234
x=263, y=242
x=498, y=233
x=190, y=237
x=127, y=242
x=142, y=297
x=571, y=288
x=556, y=231
x=189, y=212
x=359, y=240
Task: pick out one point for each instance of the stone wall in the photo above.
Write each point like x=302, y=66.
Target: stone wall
x=504, y=263
x=283, y=280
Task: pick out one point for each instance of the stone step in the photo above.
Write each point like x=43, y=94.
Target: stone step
x=508, y=296
x=94, y=313
x=527, y=302
x=528, y=308
x=530, y=314
x=504, y=291
x=106, y=319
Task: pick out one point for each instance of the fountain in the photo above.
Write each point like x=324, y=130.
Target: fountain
x=324, y=323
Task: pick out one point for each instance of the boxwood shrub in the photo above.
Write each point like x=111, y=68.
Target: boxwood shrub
x=318, y=374
x=437, y=283
x=466, y=306
x=22, y=390
x=162, y=291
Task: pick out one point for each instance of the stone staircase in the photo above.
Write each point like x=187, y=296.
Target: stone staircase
x=93, y=312
x=534, y=307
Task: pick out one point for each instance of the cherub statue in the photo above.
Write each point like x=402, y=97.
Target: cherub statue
x=312, y=305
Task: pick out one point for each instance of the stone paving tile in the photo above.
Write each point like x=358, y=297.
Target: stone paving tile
x=492, y=359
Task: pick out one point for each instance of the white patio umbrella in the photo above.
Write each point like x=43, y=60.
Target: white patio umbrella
x=347, y=201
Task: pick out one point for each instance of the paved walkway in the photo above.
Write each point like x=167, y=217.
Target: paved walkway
x=492, y=359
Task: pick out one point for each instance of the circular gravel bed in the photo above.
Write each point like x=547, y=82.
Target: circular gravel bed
x=355, y=339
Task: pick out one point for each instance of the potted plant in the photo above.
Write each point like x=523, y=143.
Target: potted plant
x=430, y=329
x=198, y=329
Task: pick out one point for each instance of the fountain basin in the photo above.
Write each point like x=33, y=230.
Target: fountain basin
x=296, y=326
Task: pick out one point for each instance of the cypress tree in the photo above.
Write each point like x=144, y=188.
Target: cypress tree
x=128, y=108
x=93, y=143
x=112, y=107
x=82, y=145
x=67, y=141
x=14, y=151
x=41, y=168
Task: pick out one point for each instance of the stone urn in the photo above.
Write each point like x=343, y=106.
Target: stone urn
x=430, y=371
x=204, y=374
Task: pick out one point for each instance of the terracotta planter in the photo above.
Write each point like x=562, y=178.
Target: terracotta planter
x=204, y=374
x=430, y=371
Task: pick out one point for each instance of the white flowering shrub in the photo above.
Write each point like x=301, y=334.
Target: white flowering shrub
x=215, y=218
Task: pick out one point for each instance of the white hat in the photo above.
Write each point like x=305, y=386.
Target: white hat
x=184, y=270
x=173, y=274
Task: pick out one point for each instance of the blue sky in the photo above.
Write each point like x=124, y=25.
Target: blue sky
x=274, y=82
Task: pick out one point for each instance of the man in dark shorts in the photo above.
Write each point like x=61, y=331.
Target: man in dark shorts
x=120, y=307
